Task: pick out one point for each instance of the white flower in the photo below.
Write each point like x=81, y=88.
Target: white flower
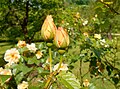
x=77, y=15
x=12, y=56
x=85, y=22
x=21, y=44
x=62, y=68
x=67, y=23
x=31, y=47
x=86, y=83
x=23, y=85
x=94, y=19
x=98, y=36
x=96, y=15
x=39, y=54
x=48, y=60
x=106, y=45
x=5, y=71
x=8, y=65
x=85, y=34
x=117, y=76
x=102, y=42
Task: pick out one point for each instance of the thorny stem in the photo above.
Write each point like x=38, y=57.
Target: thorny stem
x=50, y=60
x=111, y=8
x=115, y=53
x=48, y=83
x=80, y=70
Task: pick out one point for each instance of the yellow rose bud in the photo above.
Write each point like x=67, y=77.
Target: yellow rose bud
x=48, y=28
x=61, y=39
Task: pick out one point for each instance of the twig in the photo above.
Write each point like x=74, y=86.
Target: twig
x=111, y=9
x=80, y=70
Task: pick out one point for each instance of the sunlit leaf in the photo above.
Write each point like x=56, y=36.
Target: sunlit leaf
x=4, y=78
x=19, y=77
x=21, y=68
x=92, y=86
x=68, y=80
x=108, y=3
x=34, y=87
x=33, y=61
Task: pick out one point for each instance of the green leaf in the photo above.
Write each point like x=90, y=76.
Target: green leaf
x=33, y=61
x=3, y=78
x=45, y=73
x=97, y=52
x=84, y=88
x=34, y=87
x=40, y=70
x=91, y=86
x=19, y=77
x=38, y=85
x=69, y=80
x=108, y=3
x=21, y=68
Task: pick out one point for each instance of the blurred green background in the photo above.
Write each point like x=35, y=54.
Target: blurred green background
x=22, y=20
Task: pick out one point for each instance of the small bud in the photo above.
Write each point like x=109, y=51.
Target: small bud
x=48, y=28
x=61, y=38
x=49, y=44
x=61, y=51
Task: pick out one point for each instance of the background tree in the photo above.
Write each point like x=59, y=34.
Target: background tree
x=23, y=18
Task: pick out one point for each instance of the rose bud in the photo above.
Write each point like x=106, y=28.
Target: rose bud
x=61, y=39
x=48, y=28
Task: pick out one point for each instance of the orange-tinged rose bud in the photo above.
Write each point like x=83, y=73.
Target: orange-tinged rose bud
x=48, y=28
x=61, y=38
x=21, y=44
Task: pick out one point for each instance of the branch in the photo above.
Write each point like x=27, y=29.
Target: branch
x=85, y=74
x=25, y=22
x=111, y=65
x=111, y=9
x=80, y=70
x=30, y=39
